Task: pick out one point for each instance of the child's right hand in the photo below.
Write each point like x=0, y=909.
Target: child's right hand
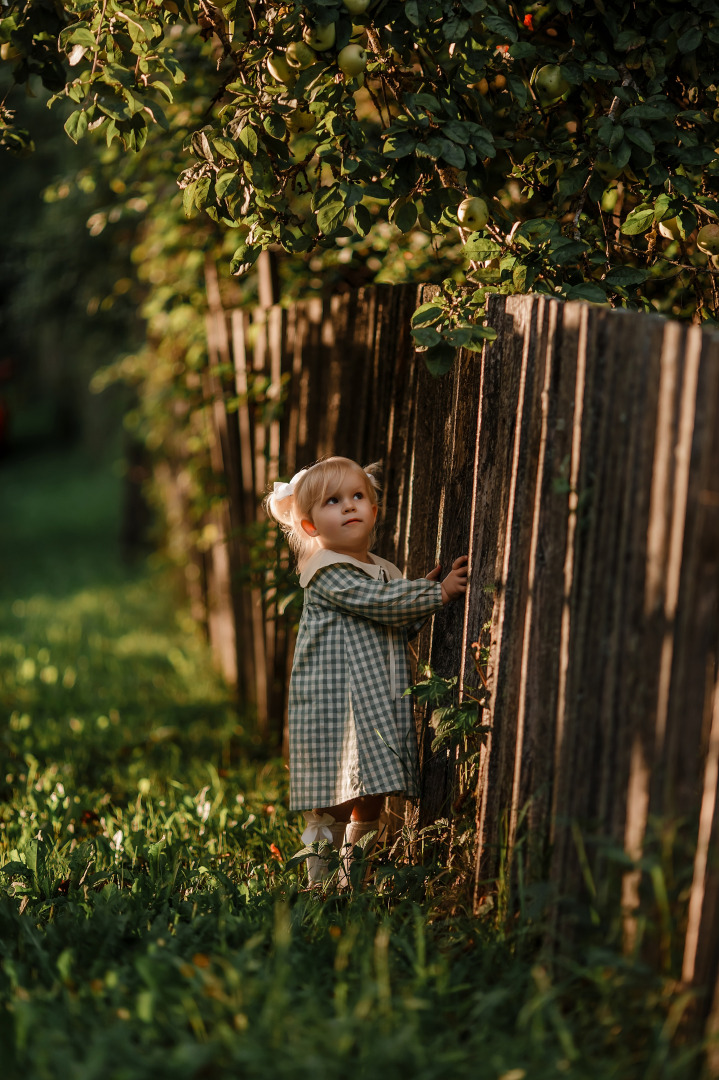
x=455, y=584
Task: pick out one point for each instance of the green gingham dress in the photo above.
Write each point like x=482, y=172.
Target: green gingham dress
x=351, y=730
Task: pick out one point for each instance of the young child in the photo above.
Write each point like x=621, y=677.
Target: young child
x=351, y=730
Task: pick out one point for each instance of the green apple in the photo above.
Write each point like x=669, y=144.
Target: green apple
x=280, y=70
x=550, y=84
x=299, y=121
x=356, y=7
x=607, y=169
x=299, y=55
x=708, y=239
x=352, y=60
x=8, y=51
x=320, y=38
x=669, y=229
x=473, y=214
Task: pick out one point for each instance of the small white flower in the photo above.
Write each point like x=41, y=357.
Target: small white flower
x=117, y=840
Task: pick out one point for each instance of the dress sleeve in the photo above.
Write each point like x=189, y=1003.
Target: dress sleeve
x=414, y=628
x=392, y=603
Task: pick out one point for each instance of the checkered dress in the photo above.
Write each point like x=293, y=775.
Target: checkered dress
x=351, y=730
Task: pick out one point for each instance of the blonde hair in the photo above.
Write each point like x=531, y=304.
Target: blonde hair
x=311, y=486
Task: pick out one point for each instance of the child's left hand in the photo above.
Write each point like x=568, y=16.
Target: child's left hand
x=433, y=575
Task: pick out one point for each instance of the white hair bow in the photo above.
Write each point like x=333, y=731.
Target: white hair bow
x=283, y=491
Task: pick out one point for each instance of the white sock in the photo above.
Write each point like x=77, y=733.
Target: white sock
x=338, y=834
x=353, y=834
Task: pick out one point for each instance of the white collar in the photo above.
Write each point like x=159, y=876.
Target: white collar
x=325, y=557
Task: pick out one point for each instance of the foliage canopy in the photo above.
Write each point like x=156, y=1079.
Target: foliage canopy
x=588, y=129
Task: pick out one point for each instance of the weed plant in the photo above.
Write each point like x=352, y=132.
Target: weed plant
x=149, y=924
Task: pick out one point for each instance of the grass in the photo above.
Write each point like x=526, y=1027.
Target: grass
x=149, y=925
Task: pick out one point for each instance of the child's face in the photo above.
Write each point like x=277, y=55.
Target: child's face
x=344, y=519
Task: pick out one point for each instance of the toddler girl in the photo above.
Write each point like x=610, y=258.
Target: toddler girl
x=351, y=730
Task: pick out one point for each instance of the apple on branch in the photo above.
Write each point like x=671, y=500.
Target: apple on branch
x=669, y=229
x=352, y=60
x=280, y=70
x=300, y=121
x=320, y=38
x=473, y=214
x=299, y=55
x=708, y=239
x=550, y=84
x=356, y=7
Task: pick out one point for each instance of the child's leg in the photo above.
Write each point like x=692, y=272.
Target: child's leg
x=366, y=808
x=352, y=820
x=362, y=817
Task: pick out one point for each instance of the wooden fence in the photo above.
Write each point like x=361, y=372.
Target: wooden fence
x=577, y=461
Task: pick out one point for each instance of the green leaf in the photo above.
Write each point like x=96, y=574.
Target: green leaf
x=696, y=155
x=452, y=154
x=226, y=183
x=564, y=251
x=427, y=314
x=82, y=36
x=621, y=154
x=244, y=258
x=690, y=40
x=663, y=207
x=640, y=219
x=363, y=219
x=112, y=106
x=459, y=337
x=404, y=215
x=587, y=291
x=331, y=216
x=629, y=39
x=427, y=337
x=275, y=126
x=625, y=276
x=640, y=138
x=478, y=248
x=440, y=359
x=411, y=10
x=76, y=124
x=505, y=29
x=400, y=145
x=202, y=191
x=519, y=90
x=604, y=72
x=455, y=28
x=643, y=112
x=225, y=149
x=571, y=181
x=480, y=334
x=248, y=138
x=522, y=50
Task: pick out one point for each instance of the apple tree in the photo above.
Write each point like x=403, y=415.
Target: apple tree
x=565, y=147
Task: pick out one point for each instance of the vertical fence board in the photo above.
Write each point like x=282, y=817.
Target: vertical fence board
x=510, y=606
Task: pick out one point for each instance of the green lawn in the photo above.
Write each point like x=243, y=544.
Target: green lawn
x=148, y=925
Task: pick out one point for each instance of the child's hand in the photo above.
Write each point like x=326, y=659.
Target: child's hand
x=455, y=584
x=433, y=575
